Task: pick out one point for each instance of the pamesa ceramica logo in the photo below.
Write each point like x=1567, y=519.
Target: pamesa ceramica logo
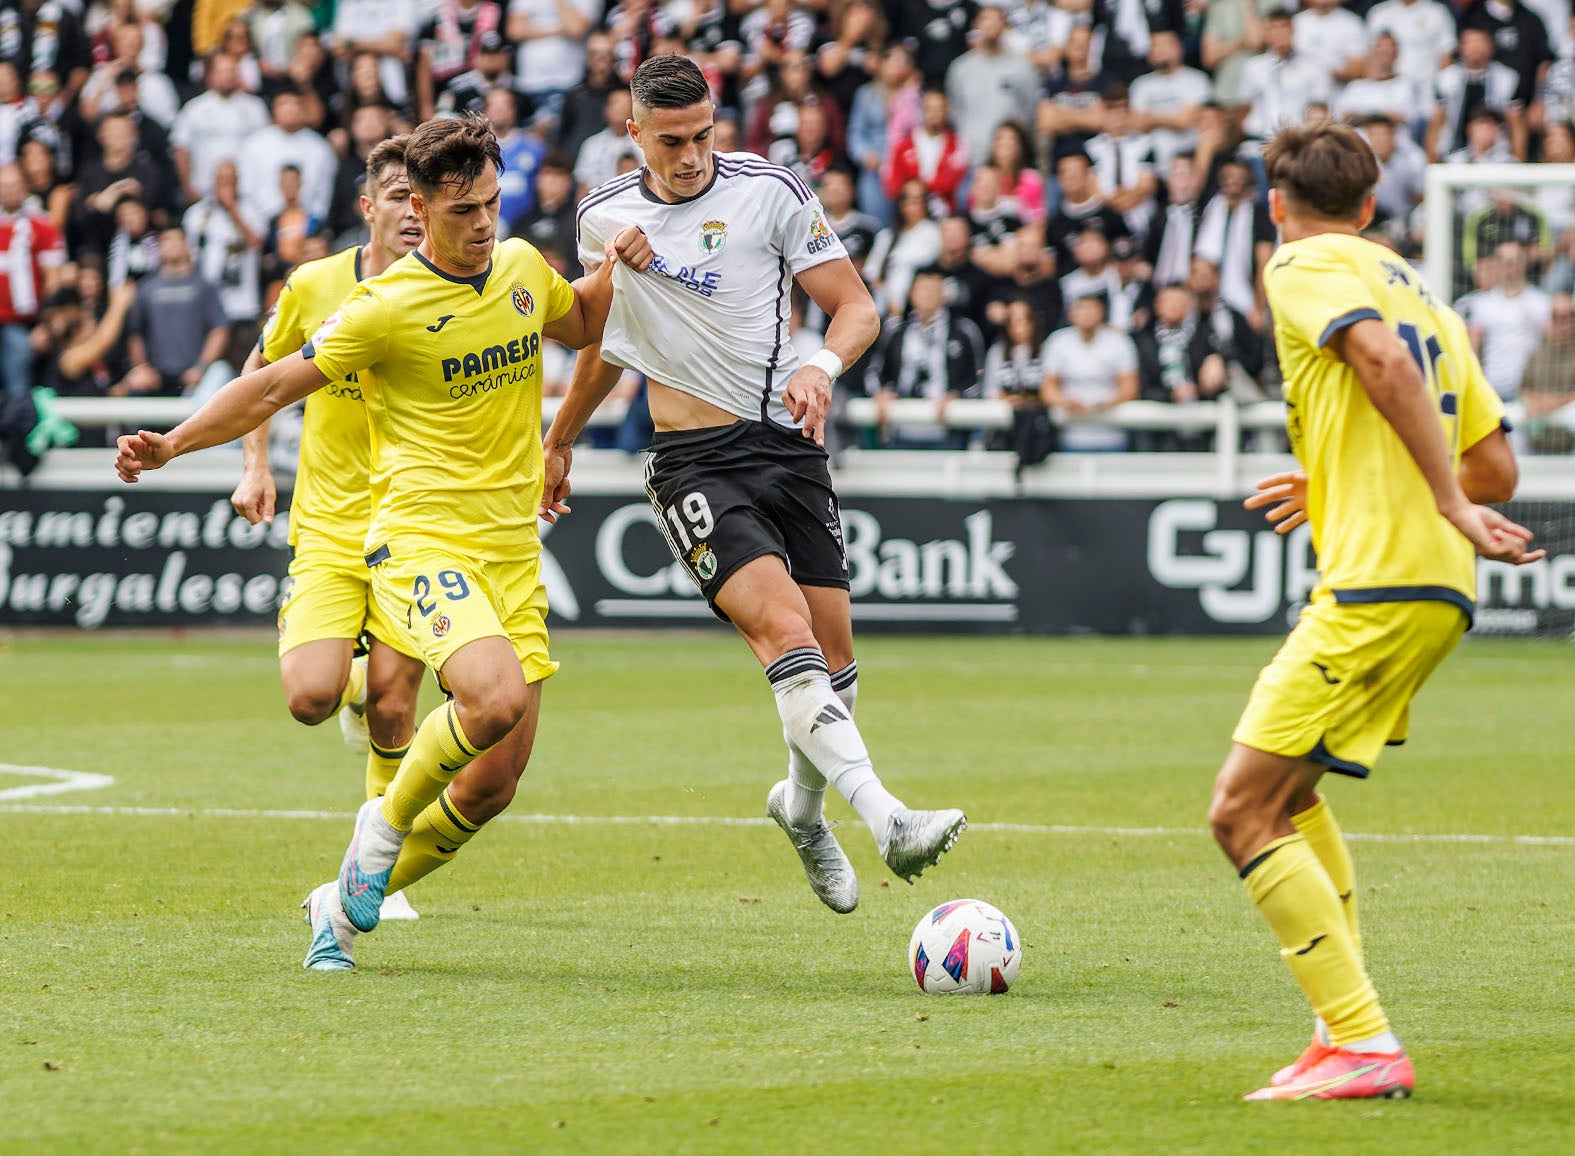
x=964, y=578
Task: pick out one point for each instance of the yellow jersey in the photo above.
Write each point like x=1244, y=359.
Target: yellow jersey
x=454, y=397
x=1376, y=530
x=330, y=495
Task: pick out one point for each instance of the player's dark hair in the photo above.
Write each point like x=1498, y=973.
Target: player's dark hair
x=385, y=154
x=669, y=81
x=1324, y=168
x=451, y=153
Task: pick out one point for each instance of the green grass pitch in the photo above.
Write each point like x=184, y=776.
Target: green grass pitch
x=642, y=987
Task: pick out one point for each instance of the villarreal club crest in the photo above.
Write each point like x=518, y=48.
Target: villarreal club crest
x=524, y=303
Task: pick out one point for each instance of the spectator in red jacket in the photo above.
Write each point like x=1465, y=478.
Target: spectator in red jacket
x=932, y=153
x=31, y=253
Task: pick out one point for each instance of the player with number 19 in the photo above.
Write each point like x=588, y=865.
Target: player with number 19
x=1400, y=436
x=738, y=473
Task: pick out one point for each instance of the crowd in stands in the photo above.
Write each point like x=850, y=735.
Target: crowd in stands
x=1060, y=204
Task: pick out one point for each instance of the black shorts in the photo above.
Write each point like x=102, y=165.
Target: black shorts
x=727, y=495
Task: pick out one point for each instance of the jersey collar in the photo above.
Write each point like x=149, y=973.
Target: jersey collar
x=478, y=282
x=645, y=189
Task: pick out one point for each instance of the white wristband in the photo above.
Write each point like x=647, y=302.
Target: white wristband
x=828, y=362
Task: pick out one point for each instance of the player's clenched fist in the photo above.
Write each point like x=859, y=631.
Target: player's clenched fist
x=140, y=451
x=631, y=246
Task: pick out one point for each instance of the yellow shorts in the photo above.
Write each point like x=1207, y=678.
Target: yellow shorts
x=443, y=600
x=1340, y=688
x=328, y=594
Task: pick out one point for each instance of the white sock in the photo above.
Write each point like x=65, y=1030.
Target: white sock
x=806, y=791
x=817, y=724
x=1320, y=1031
x=1387, y=1042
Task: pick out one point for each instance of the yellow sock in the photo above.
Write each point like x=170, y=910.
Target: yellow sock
x=381, y=766
x=1322, y=833
x=439, y=751
x=439, y=833
x=1293, y=891
x=355, y=686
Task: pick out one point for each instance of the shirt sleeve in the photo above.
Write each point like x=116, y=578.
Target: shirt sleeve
x=590, y=243
x=353, y=337
x=806, y=239
x=560, y=294
x=281, y=335
x=1314, y=297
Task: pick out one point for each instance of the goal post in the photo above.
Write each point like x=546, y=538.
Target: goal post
x=1441, y=194
x=1467, y=210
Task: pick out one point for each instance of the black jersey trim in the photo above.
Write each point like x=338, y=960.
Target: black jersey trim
x=1369, y=594
x=359, y=250
x=605, y=192
x=645, y=189
x=776, y=346
x=1345, y=321
x=478, y=281
x=763, y=169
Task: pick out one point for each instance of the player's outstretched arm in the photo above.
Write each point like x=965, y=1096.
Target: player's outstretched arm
x=1393, y=382
x=855, y=324
x=592, y=381
x=237, y=409
x=587, y=317
x=256, y=493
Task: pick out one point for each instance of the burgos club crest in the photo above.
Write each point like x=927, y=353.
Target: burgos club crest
x=702, y=560
x=713, y=235
x=524, y=303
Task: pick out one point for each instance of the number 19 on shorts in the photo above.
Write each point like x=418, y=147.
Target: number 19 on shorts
x=690, y=515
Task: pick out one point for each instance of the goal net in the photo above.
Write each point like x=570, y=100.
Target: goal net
x=1498, y=240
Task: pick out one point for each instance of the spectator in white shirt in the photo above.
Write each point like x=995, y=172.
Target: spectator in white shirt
x=1424, y=30
x=551, y=37
x=213, y=126
x=1166, y=102
x=1382, y=90
x=1506, y=321
x=1278, y=84
x=914, y=241
x=1089, y=368
x=155, y=95
x=384, y=27
x=288, y=142
x=1333, y=38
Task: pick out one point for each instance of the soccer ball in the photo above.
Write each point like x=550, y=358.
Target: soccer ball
x=965, y=946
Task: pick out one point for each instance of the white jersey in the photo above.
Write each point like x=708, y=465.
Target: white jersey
x=710, y=315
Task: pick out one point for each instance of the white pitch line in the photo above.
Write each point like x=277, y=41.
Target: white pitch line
x=63, y=781
x=735, y=821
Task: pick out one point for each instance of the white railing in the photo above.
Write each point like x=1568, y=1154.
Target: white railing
x=165, y=412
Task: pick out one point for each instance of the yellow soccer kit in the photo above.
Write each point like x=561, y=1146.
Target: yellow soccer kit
x=329, y=593
x=1398, y=582
x=454, y=398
